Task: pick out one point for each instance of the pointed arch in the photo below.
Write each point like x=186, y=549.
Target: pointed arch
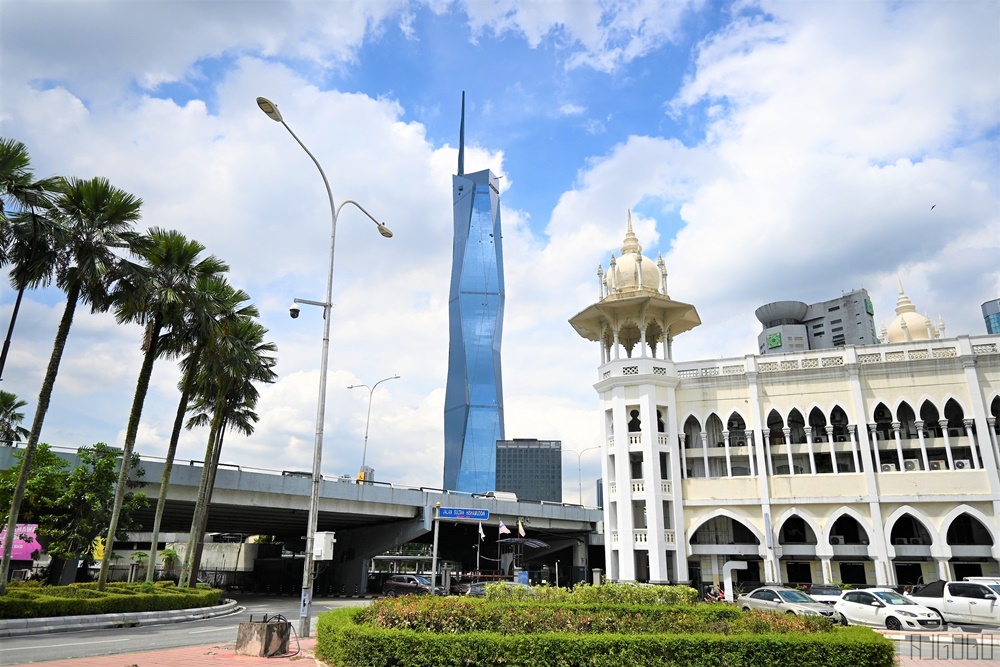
x=839, y=420
x=988, y=524
x=775, y=427
x=810, y=522
x=938, y=548
x=796, y=425
x=692, y=432
x=714, y=427
x=931, y=416
x=841, y=512
x=906, y=418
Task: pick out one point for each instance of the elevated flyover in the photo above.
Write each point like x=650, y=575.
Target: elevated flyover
x=368, y=518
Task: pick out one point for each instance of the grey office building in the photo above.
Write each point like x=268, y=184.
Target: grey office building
x=793, y=326
x=530, y=468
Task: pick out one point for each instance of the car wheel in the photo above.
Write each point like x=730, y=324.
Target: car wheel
x=843, y=621
x=391, y=594
x=792, y=613
x=746, y=608
x=944, y=624
x=892, y=623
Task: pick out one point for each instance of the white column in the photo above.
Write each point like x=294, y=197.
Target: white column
x=642, y=340
x=729, y=458
x=684, y=456
x=788, y=449
x=943, y=423
x=923, y=444
x=617, y=346
x=809, y=449
x=833, y=449
x=704, y=451
x=992, y=423
x=748, y=434
x=853, y=431
x=873, y=430
x=765, y=447
x=973, y=445
x=899, y=443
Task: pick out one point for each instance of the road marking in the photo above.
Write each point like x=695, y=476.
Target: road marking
x=34, y=648
x=201, y=632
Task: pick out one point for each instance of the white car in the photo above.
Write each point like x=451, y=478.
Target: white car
x=825, y=593
x=885, y=608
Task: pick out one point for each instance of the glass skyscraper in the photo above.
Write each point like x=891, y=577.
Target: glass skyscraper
x=473, y=406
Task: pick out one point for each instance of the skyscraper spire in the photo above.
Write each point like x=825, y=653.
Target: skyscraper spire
x=461, y=140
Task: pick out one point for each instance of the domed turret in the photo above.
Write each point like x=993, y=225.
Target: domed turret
x=631, y=272
x=910, y=325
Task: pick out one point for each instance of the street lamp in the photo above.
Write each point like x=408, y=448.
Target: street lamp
x=371, y=390
x=271, y=111
x=579, y=467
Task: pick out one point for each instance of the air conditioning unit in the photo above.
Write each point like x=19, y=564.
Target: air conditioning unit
x=916, y=540
x=938, y=465
x=841, y=438
x=963, y=464
x=955, y=433
x=888, y=467
x=913, y=464
x=836, y=539
x=900, y=540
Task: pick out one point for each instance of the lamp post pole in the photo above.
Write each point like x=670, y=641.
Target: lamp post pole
x=579, y=468
x=271, y=111
x=363, y=477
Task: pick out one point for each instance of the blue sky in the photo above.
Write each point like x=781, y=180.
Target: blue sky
x=768, y=150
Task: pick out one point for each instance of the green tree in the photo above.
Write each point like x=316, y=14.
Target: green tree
x=47, y=479
x=81, y=511
x=11, y=430
x=234, y=360
x=97, y=220
x=158, y=294
x=215, y=303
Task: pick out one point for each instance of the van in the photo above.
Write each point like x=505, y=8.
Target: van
x=502, y=495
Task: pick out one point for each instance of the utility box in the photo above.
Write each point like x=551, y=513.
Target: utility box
x=263, y=639
x=323, y=545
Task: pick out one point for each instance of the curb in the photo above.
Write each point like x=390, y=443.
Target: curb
x=19, y=627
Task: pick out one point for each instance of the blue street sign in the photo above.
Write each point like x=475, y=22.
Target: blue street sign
x=462, y=513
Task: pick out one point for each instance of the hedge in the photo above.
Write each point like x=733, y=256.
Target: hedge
x=432, y=632
x=85, y=599
x=360, y=646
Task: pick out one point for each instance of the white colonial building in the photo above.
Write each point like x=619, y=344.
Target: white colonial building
x=871, y=464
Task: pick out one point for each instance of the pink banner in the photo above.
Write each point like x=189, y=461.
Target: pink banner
x=24, y=541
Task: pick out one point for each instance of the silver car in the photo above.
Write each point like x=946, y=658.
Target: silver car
x=778, y=600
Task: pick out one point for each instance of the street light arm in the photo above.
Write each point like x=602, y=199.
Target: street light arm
x=371, y=389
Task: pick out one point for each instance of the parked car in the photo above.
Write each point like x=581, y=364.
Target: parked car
x=778, y=600
x=885, y=608
x=825, y=593
x=992, y=583
x=478, y=589
x=408, y=584
x=960, y=602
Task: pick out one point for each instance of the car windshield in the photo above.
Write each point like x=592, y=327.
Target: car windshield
x=423, y=580
x=994, y=587
x=794, y=596
x=825, y=590
x=893, y=598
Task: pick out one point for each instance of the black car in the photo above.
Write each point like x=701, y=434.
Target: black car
x=408, y=584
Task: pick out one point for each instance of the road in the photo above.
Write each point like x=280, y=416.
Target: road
x=89, y=643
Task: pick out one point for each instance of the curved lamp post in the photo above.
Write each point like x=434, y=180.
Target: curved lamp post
x=271, y=111
x=579, y=467
x=363, y=477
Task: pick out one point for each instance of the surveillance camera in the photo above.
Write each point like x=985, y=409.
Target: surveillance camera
x=293, y=310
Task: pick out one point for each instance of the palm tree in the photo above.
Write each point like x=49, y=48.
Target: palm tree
x=97, y=219
x=233, y=360
x=157, y=294
x=10, y=419
x=22, y=238
x=216, y=302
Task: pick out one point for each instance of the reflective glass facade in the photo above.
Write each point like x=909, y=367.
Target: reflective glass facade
x=473, y=409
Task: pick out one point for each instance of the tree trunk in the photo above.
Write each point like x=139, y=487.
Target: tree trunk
x=44, y=396
x=201, y=505
x=200, y=546
x=130, y=435
x=168, y=465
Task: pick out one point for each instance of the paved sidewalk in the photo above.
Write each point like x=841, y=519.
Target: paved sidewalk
x=193, y=656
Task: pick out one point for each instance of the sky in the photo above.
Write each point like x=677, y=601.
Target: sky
x=768, y=150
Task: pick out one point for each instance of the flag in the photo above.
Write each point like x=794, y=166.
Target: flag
x=504, y=529
x=520, y=528
x=482, y=535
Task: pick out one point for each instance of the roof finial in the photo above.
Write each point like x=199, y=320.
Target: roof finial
x=903, y=303
x=631, y=243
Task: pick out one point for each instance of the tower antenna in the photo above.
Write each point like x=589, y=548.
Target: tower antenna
x=461, y=140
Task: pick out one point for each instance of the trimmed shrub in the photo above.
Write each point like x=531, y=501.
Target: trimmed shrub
x=85, y=599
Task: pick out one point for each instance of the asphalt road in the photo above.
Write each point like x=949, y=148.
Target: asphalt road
x=222, y=630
